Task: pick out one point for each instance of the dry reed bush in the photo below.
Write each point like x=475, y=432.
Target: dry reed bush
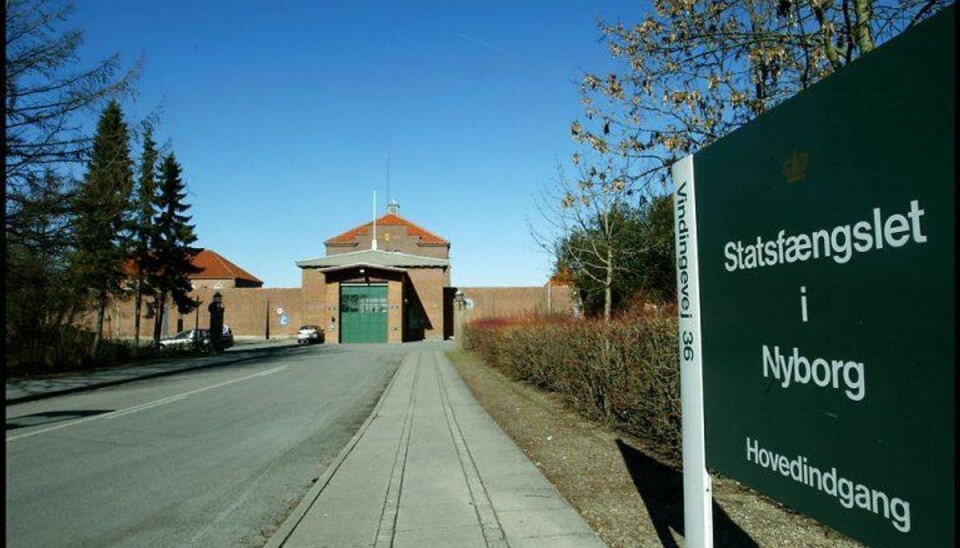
x=626, y=372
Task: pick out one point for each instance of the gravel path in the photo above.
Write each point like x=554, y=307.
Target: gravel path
x=630, y=495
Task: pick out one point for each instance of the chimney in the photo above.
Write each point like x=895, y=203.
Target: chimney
x=393, y=207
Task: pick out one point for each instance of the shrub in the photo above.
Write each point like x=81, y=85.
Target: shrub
x=67, y=348
x=625, y=372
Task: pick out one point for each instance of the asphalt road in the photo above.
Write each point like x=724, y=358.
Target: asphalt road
x=211, y=457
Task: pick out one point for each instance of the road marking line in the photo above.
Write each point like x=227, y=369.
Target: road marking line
x=142, y=407
x=148, y=405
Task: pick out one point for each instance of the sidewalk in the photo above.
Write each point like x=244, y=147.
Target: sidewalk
x=431, y=468
x=22, y=390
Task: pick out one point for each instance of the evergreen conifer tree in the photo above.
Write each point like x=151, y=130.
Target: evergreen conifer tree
x=171, y=245
x=102, y=209
x=143, y=228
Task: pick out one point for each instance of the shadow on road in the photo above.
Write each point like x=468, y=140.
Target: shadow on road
x=50, y=417
x=661, y=489
x=239, y=357
x=27, y=389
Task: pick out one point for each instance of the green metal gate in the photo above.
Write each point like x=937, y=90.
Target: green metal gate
x=363, y=313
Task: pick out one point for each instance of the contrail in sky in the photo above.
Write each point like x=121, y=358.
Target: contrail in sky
x=491, y=46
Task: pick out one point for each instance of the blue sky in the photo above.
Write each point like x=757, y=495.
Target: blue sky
x=282, y=113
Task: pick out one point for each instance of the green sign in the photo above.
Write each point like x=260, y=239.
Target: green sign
x=823, y=245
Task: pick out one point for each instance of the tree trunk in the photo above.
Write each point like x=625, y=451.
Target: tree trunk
x=607, y=288
x=158, y=318
x=101, y=309
x=138, y=302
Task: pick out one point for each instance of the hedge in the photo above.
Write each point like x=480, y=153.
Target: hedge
x=625, y=372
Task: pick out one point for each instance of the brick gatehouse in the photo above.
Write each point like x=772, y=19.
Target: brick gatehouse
x=383, y=281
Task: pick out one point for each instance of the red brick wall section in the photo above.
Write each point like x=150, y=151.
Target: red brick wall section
x=331, y=319
x=429, y=284
x=395, y=311
x=209, y=283
x=246, y=308
x=393, y=238
x=314, y=298
x=245, y=311
x=510, y=302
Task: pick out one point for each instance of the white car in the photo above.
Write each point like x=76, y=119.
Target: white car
x=309, y=334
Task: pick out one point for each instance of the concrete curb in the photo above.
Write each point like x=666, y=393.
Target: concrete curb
x=138, y=377
x=280, y=536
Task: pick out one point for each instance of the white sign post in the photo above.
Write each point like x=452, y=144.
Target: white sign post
x=697, y=491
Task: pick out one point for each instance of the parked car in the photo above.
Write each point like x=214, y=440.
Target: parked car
x=309, y=334
x=227, y=337
x=191, y=339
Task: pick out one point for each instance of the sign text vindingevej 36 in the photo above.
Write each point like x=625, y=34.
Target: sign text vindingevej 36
x=824, y=235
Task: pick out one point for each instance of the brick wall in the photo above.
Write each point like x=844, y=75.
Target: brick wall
x=395, y=311
x=428, y=284
x=392, y=238
x=210, y=283
x=245, y=311
x=508, y=302
x=246, y=308
x=313, y=298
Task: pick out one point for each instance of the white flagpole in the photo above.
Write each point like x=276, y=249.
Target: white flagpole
x=373, y=242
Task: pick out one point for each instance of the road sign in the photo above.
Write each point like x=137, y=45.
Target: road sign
x=284, y=320
x=823, y=233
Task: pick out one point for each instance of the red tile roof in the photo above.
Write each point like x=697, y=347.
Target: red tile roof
x=212, y=265
x=390, y=219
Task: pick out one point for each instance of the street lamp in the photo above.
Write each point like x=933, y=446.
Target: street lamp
x=216, y=321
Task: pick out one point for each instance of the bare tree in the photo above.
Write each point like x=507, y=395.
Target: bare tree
x=584, y=221
x=694, y=71
x=46, y=90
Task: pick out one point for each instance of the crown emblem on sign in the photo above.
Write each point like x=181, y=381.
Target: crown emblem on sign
x=795, y=168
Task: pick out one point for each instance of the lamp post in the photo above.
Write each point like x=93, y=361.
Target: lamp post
x=216, y=321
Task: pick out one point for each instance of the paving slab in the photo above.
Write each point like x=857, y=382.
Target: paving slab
x=431, y=468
